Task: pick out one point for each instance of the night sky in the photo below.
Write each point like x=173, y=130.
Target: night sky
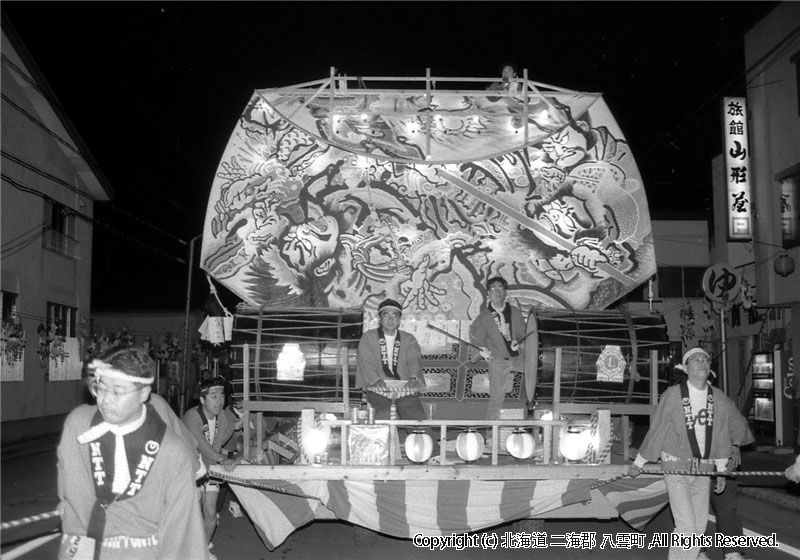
x=155, y=90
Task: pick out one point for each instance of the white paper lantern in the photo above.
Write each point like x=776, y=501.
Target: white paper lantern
x=576, y=440
x=520, y=444
x=291, y=363
x=469, y=445
x=419, y=446
x=315, y=441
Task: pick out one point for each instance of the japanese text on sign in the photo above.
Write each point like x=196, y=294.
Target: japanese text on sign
x=737, y=168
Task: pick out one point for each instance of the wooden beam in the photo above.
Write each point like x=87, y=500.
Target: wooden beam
x=616, y=409
x=425, y=472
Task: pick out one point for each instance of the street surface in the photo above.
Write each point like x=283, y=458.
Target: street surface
x=29, y=487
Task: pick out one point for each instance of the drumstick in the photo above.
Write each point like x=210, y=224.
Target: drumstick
x=469, y=343
x=461, y=340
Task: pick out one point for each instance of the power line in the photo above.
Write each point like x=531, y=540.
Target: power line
x=93, y=221
x=32, y=167
x=703, y=107
x=12, y=249
x=41, y=172
x=49, y=131
x=40, y=124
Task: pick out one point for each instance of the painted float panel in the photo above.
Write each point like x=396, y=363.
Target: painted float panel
x=345, y=201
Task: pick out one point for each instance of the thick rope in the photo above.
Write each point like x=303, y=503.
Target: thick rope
x=725, y=474
x=27, y=520
x=256, y=484
x=690, y=473
x=587, y=457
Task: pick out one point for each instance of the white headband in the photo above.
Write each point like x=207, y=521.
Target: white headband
x=101, y=369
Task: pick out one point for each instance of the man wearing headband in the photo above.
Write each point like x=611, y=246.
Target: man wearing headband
x=125, y=479
x=497, y=330
x=389, y=353
x=690, y=433
x=212, y=429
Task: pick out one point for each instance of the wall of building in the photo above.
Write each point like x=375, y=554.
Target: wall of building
x=772, y=56
x=42, y=161
x=774, y=127
x=679, y=243
x=36, y=274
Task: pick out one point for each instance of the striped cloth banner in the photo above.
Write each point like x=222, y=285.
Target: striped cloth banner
x=638, y=500
x=276, y=515
x=403, y=508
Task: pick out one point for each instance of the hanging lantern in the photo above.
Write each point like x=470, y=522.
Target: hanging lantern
x=784, y=265
x=419, y=446
x=576, y=442
x=291, y=363
x=469, y=445
x=520, y=444
x=315, y=440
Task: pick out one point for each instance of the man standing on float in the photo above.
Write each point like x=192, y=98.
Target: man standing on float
x=497, y=330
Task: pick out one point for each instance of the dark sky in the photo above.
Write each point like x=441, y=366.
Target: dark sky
x=155, y=90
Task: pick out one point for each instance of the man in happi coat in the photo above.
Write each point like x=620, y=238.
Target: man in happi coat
x=212, y=429
x=385, y=353
x=497, y=330
x=690, y=434
x=125, y=479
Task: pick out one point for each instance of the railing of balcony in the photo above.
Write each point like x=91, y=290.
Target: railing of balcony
x=60, y=243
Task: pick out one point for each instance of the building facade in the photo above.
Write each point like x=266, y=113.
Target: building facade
x=768, y=262
x=50, y=183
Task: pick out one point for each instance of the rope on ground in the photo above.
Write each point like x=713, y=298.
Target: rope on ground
x=262, y=485
x=30, y=519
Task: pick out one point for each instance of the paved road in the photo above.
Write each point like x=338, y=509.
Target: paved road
x=28, y=487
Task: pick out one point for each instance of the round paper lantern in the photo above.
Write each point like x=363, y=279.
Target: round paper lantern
x=315, y=440
x=520, y=444
x=575, y=442
x=419, y=446
x=784, y=265
x=469, y=445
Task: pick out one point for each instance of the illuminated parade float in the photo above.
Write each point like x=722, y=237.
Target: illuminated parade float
x=334, y=195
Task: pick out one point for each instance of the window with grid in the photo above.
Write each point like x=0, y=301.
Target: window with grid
x=64, y=317
x=680, y=281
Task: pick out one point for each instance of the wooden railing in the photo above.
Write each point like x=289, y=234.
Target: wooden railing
x=548, y=431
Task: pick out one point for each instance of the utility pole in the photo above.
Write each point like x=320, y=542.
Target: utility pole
x=186, y=324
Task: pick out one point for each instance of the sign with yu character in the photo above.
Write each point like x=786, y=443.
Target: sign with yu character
x=721, y=283
x=737, y=168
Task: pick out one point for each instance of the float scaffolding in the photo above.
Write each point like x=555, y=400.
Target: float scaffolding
x=363, y=473
x=335, y=194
